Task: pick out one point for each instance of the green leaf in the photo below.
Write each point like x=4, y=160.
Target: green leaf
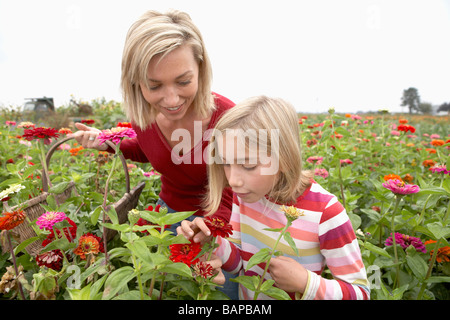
x=277, y=293
x=24, y=244
x=59, y=188
x=438, y=230
x=287, y=236
x=175, y=217
x=95, y=214
x=417, y=266
x=273, y=229
x=118, y=227
x=247, y=281
x=178, y=268
x=377, y=250
x=189, y=287
x=112, y=214
x=260, y=256
x=117, y=281
x=438, y=279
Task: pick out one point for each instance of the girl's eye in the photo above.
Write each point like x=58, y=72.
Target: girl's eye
x=249, y=167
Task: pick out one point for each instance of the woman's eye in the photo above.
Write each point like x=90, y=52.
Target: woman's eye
x=249, y=167
x=153, y=88
x=184, y=83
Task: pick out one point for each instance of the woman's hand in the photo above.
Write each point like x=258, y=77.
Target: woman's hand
x=288, y=274
x=195, y=230
x=87, y=137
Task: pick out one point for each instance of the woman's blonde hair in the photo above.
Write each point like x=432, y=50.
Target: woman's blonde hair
x=252, y=115
x=155, y=33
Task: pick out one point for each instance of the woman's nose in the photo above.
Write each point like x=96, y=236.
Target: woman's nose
x=171, y=98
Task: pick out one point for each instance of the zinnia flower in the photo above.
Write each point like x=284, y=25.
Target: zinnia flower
x=346, y=161
x=49, y=219
x=291, y=212
x=88, y=244
x=116, y=134
x=124, y=124
x=70, y=233
x=26, y=125
x=52, y=259
x=218, y=227
x=400, y=188
x=321, y=172
x=405, y=241
x=14, y=188
x=428, y=163
x=40, y=133
x=185, y=252
x=436, y=169
x=406, y=128
x=65, y=131
x=10, y=220
x=391, y=176
x=443, y=254
x=437, y=142
x=202, y=269
x=88, y=121
x=316, y=159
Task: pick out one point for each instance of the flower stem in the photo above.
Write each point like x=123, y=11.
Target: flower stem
x=15, y=265
x=398, y=198
x=261, y=280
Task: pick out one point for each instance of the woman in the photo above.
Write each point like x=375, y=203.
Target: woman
x=166, y=84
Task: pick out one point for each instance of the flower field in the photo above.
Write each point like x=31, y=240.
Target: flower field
x=391, y=173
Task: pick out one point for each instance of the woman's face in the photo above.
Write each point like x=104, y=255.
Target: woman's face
x=173, y=82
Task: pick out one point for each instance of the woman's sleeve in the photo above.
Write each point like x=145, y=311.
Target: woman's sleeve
x=339, y=246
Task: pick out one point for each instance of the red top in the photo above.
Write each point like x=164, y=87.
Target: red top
x=183, y=185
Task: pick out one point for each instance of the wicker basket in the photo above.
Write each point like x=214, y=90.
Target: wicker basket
x=33, y=208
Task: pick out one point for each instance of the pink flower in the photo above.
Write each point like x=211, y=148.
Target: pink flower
x=10, y=123
x=439, y=169
x=405, y=241
x=435, y=136
x=321, y=172
x=116, y=134
x=346, y=161
x=399, y=187
x=49, y=219
x=395, y=133
x=315, y=159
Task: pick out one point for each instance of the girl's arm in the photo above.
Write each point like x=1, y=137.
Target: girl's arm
x=339, y=246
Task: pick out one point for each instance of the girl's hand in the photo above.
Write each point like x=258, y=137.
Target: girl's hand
x=289, y=275
x=195, y=230
x=216, y=264
x=87, y=137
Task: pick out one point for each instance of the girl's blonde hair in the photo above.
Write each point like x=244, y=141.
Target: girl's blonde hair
x=155, y=33
x=253, y=115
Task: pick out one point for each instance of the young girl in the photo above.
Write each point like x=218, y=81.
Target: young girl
x=256, y=151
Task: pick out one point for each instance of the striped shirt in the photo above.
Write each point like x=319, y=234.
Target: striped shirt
x=324, y=236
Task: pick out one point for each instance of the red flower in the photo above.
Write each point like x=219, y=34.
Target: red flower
x=10, y=220
x=40, y=133
x=51, y=259
x=124, y=124
x=88, y=244
x=202, y=269
x=70, y=236
x=218, y=227
x=88, y=121
x=406, y=128
x=185, y=252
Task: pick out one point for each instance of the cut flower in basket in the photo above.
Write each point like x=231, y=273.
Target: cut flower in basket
x=10, y=220
x=116, y=134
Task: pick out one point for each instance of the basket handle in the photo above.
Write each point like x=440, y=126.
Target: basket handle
x=59, y=142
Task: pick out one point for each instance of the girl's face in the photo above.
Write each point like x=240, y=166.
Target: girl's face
x=173, y=82
x=245, y=173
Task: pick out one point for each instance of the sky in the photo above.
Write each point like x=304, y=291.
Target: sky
x=352, y=55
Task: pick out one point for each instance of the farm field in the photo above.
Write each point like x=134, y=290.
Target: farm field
x=390, y=171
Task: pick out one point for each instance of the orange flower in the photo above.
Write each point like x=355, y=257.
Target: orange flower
x=392, y=177
x=75, y=151
x=10, y=220
x=429, y=163
x=87, y=244
x=443, y=254
x=65, y=131
x=437, y=142
x=408, y=178
x=348, y=115
x=430, y=150
x=403, y=121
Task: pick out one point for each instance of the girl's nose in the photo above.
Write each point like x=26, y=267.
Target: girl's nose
x=235, y=179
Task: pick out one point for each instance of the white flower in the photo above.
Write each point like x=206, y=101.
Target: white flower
x=14, y=188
